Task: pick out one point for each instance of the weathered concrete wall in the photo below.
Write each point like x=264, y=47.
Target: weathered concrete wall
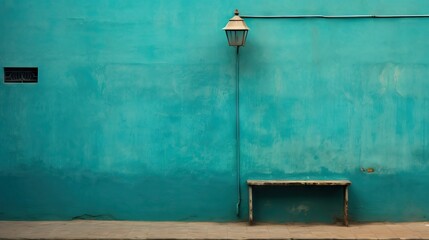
x=134, y=113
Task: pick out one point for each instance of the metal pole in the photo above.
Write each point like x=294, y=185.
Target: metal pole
x=237, y=129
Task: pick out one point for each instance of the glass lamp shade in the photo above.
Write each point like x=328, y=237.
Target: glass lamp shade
x=236, y=37
x=236, y=31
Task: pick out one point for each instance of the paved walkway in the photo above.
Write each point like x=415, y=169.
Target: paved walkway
x=207, y=230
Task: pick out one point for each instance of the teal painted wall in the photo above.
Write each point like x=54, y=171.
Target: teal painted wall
x=134, y=113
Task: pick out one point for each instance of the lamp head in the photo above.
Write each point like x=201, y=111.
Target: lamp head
x=236, y=30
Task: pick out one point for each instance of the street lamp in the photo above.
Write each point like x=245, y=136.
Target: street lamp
x=236, y=32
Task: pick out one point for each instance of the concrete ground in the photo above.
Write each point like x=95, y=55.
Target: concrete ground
x=207, y=230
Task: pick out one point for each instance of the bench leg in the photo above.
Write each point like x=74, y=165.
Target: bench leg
x=250, y=206
x=346, y=206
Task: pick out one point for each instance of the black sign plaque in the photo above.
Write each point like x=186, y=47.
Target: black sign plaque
x=21, y=74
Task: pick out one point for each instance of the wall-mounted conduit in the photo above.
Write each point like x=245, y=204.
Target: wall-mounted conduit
x=238, y=77
x=337, y=16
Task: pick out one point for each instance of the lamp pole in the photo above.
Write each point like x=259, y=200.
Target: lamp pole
x=237, y=128
x=236, y=33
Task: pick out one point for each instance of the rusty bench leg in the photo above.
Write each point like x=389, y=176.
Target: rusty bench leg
x=346, y=206
x=250, y=206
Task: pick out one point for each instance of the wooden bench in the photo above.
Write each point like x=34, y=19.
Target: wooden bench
x=342, y=183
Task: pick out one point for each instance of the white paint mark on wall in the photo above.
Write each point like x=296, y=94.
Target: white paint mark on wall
x=300, y=209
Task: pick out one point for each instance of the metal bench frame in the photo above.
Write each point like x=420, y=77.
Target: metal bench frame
x=342, y=183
